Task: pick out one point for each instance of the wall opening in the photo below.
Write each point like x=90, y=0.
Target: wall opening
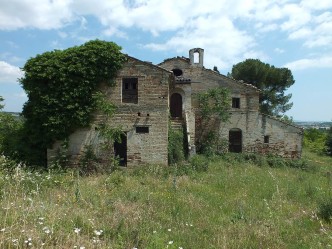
x=176, y=105
x=120, y=150
x=130, y=90
x=235, y=140
x=142, y=129
x=196, y=57
x=177, y=72
x=266, y=139
x=235, y=102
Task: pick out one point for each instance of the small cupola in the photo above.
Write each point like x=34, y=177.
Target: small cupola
x=196, y=56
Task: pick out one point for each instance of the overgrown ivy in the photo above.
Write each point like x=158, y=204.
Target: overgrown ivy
x=213, y=108
x=61, y=86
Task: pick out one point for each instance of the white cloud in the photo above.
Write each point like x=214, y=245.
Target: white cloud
x=229, y=29
x=9, y=73
x=302, y=64
x=279, y=50
x=41, y=14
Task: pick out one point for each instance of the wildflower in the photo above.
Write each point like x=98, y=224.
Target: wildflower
x=98, y=233
x=180, y=247
x=154, y=231
x=77, y=230
x=169, y=229
x=28, y=242
x=170, y=242
x=3, y=229
x=46, y=230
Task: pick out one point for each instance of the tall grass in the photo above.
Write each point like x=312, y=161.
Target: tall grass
x=226, y=203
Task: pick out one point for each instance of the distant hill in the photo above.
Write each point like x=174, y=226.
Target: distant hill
x=314, y=124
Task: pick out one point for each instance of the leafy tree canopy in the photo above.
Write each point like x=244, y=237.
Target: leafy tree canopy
x=61, y=85
x=272, y=81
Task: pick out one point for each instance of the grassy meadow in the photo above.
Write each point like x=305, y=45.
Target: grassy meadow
x=235, y=203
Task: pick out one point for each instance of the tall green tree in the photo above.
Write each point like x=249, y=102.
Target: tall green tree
x=272, y=81
x=61, y=86
x=328, y=142
x=10, y=129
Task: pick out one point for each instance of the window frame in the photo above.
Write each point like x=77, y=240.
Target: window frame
x=129, y=90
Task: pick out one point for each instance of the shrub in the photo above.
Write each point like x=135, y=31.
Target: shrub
x=199, y=163
x=176, y=143
x=325, y=210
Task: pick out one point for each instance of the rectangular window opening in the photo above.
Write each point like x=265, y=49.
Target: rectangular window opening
x=235, y=102
x=266, y=139
x=130, y=90
x=142, y=129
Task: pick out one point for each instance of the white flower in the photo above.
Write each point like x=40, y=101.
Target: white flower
x=3, y=229
x=154, y=231
x=170, y=242
x=46, y=230
x=98, y=233
x=180, y=247
x=77, y=230
x=169, y=229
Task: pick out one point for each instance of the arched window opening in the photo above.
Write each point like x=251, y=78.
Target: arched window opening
x=196, y=57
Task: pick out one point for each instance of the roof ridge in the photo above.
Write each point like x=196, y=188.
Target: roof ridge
x=286, y=123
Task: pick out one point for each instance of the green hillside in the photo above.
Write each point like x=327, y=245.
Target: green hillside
x=234, y=204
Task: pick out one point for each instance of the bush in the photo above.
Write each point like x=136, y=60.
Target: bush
x=325, y=210
x=328, y=142
x=199, y=163
x=176, y=144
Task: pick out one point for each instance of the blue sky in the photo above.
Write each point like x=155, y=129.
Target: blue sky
x=285, y=33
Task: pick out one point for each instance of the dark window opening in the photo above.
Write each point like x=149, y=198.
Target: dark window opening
x=142, y=129
x=177, y=72
x=235, y=140
x=129, y=90
x=235, y=102
x=120, y=150
x=266, y=139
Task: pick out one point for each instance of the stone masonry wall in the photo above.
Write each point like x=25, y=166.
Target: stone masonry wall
x=150, y=111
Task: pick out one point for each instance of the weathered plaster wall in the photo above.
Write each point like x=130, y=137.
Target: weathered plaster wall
x=284, y=139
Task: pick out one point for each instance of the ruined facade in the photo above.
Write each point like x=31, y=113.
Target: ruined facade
x=147, y=95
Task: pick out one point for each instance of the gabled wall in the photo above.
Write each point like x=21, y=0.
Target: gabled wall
x=150, y=111
x=283, y=139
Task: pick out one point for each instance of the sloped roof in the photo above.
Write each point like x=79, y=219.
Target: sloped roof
x=150, y=64
x=285, y=123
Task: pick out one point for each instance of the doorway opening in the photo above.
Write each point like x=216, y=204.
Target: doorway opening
x=176, y=105
x=120, y=150
x=235, y=140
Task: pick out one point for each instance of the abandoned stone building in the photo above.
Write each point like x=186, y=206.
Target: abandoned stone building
x=146, y=95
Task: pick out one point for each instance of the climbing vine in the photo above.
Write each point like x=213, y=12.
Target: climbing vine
x=61, y=87
x=213, y=108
